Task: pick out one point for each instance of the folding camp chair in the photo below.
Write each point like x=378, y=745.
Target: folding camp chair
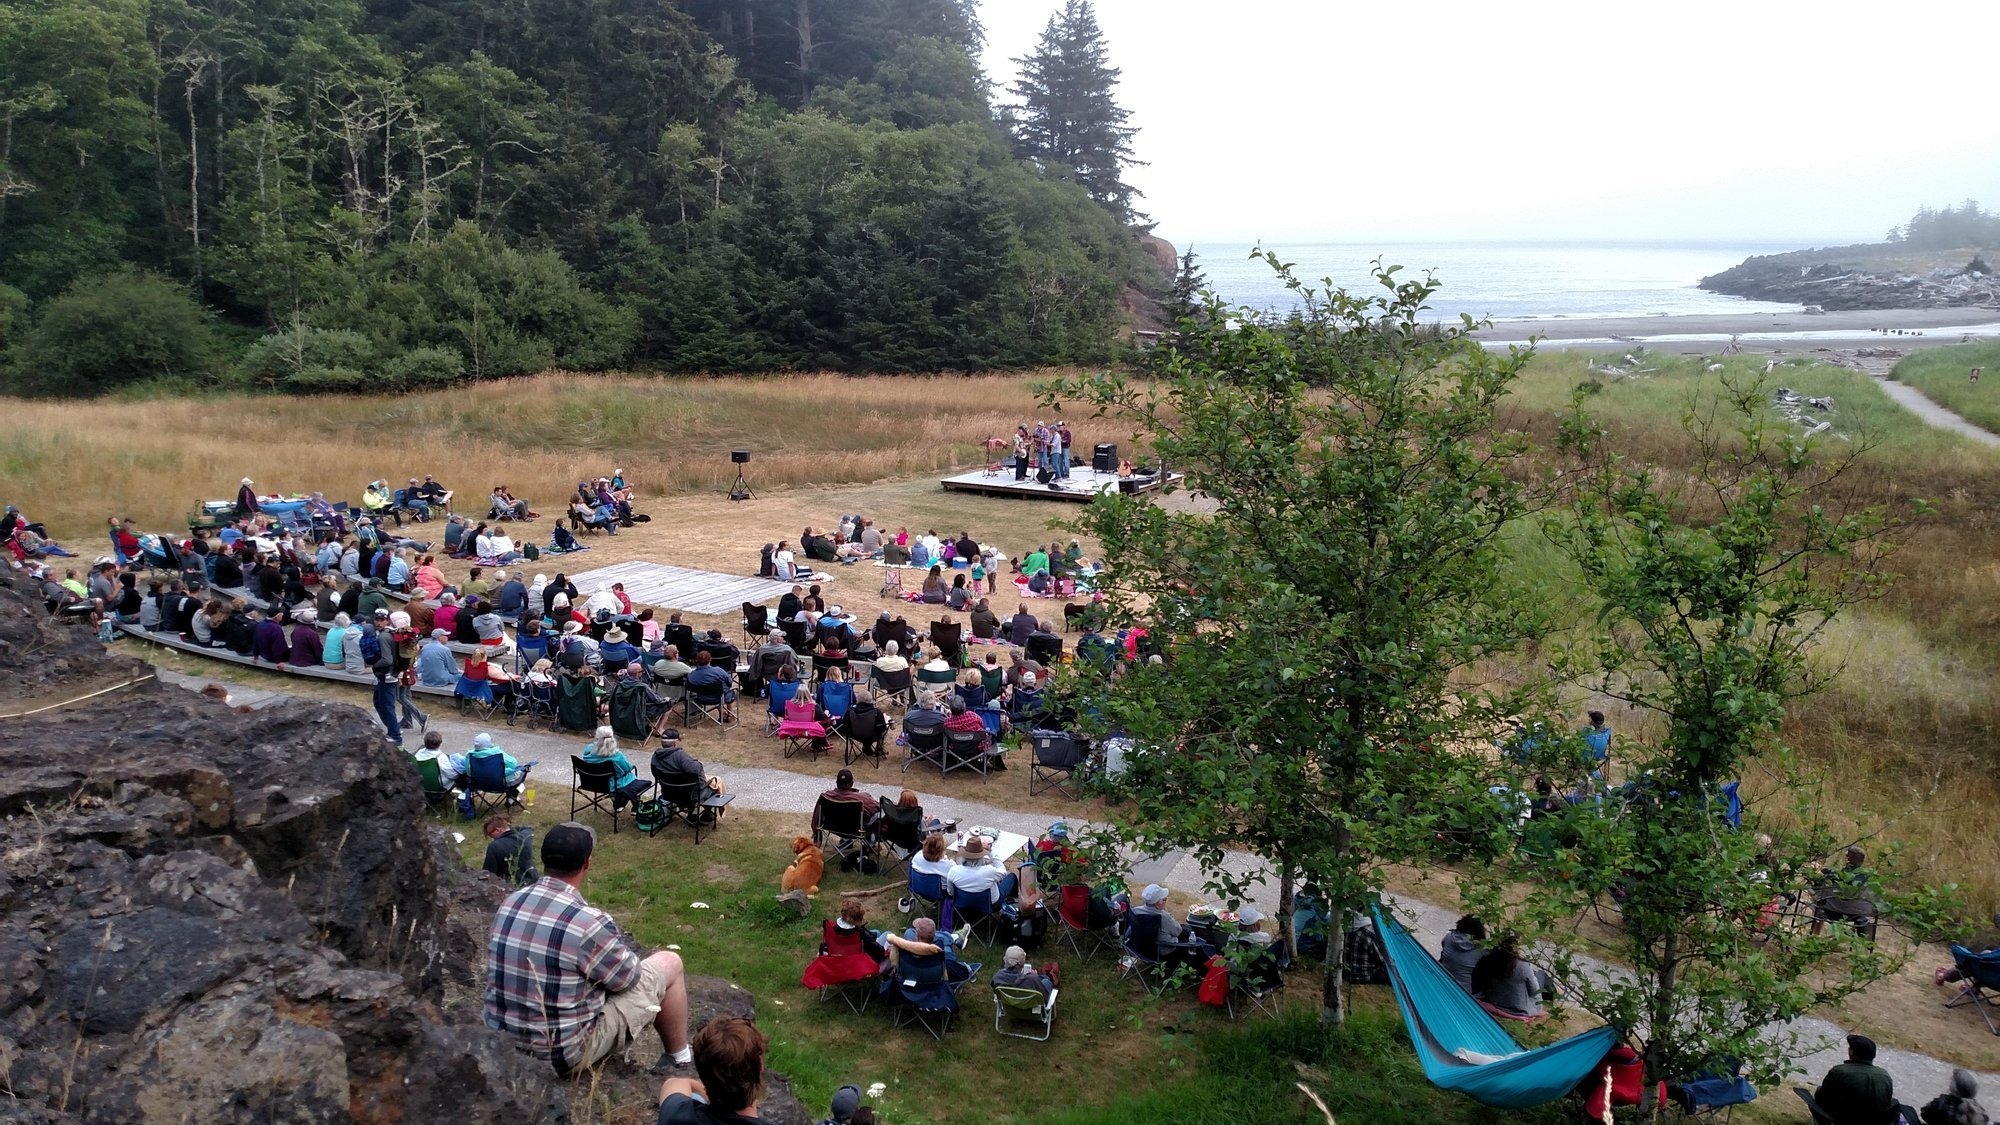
x=1139, y=939
x=802, y=730
x=926, y=896
x=1044, y=648
x=486, y=781
x=925, y=993
x=774, y=706
x=976, y=907
x=594, y=786
x=710, y=704
x=836, y=696
x=1981, y=973
x=528, y=650
x=1073, y=916
x=436, y=793
x=924, y=746
x=1056, y=760
x=843, y=968
x=949, y=637
x=756, y=623
x=630, y=718
x=474, y=697
x=680, y=635
x=851, y=733
x=898, y=687
x=892, y=582
x=903, y=829
x=795, y=633
x=1256, y=980
x=576, y=703
x=846, y=823
x=694, y=802
x=1024, y=1005
x=964, y=750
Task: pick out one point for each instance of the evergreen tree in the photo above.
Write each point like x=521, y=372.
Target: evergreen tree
x=1068, y=120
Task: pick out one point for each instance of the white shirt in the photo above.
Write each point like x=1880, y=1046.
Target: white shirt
x=484, y=544
x=503, y=544
x=975, y=878
x=602, y=599
x=941, y=866
x=933, y=546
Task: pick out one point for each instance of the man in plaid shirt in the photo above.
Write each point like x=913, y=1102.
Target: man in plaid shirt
x=565, y=982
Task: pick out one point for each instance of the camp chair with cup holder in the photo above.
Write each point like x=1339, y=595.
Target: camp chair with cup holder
x=1056, y=758
x=964, y=750
x=1255, y=978
x=594, y=788
x=1024, y=1005
x=436, y=792
x=1981, y=974
x=845, y=825
x=485, y=781
x=756, y=623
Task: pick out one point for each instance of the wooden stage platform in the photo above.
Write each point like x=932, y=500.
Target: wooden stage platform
x=677, y=587
x=1083, y=485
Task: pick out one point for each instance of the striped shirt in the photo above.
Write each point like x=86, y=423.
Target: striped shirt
x=550, y=960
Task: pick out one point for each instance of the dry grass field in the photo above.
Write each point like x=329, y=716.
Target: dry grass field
x=1905, y=739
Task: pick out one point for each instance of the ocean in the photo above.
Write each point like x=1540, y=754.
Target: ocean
x=1505, y=281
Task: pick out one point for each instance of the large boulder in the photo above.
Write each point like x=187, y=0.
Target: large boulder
x=220, y=917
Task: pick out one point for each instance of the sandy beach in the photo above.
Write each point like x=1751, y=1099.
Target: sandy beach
x=1756, y=332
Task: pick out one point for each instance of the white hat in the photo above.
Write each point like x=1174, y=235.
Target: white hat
x=1027, y=679
x=571, y=627
x=482, y=741
x=835, y=611
x=246, y=480
x=1153, y=895
x=1249, y=916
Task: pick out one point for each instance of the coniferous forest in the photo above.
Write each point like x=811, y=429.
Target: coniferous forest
x=374, y=195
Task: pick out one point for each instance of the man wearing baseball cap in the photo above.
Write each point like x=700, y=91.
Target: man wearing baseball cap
x=565, y=982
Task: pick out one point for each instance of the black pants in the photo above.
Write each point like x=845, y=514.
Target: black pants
x=1020, y=468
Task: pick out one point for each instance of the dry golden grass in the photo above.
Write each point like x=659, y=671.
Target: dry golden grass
x=153, y=460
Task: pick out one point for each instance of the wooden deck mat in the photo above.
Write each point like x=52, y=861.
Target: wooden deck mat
x=677, y=587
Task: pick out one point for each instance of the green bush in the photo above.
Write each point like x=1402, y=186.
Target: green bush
x=421, y=368
x=109, y=332
x=294, y=357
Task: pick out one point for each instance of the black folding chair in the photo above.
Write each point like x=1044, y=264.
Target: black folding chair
x=925, y=745
x=949, y=637
x=964, y=750
x=847, y=823
x=1056, y=760
x=710, y=704
x=594, y=785
x=756, y=623
x=693, y=802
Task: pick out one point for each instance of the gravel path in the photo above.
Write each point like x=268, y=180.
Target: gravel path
x=1918, y=1077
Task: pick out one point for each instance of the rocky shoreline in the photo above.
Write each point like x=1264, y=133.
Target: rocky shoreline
x=1857, y=278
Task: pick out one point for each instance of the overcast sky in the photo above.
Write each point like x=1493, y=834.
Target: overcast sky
x=1750, y=120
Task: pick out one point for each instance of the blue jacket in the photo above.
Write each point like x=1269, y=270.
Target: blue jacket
x=625, y=772
x=435, y=665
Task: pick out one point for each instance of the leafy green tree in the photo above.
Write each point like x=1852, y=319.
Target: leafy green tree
x=1069, y=121
x=1715, y=582
x=1344, y=563
x=110, y=332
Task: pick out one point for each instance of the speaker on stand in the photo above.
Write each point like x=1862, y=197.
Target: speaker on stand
x=741, y=489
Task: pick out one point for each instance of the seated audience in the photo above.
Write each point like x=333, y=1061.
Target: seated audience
x=1958, y=1105
x=1461, y=951
x=1015, y=973
x=510, y=851
x=975, y=872
x=1857, y=1092
x=1507, y=984
x=625, y=783
x=844, y=790
x=729, y=1057
x=484, y=747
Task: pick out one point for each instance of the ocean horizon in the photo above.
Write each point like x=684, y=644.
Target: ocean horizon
x=1503, y=280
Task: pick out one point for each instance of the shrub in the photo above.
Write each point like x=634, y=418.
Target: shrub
x=295, y=356
x=423, y=368
x=109, y=332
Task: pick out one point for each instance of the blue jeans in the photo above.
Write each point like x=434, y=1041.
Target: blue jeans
x=385, y=708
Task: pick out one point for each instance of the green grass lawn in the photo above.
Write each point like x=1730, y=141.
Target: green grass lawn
x=1942, y=375
x=1115, y=1057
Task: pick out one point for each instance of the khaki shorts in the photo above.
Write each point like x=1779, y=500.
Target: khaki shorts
x=625, y=1014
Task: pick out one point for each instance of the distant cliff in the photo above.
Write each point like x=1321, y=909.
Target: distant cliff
x=1881, y=276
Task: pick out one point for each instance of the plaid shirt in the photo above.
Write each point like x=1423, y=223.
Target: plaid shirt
x=550, y=960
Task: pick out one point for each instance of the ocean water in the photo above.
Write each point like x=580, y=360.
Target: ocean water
x=1504, y=281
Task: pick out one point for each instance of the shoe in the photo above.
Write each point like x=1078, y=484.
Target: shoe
x=668, y=1067
x=963, y=935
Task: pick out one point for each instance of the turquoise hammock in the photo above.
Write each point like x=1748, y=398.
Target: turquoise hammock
x=1443, y=1018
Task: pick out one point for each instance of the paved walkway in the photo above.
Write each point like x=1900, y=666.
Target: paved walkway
x=1918, y=1077
x=1913, y=400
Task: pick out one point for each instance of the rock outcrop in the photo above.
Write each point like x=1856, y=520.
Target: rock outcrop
x=1840, y=282
x=218, y=917
x=213, y=916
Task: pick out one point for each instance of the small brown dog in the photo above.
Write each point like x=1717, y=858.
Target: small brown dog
x=806, y=868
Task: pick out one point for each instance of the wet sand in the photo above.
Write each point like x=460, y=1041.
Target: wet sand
x=1756, y=332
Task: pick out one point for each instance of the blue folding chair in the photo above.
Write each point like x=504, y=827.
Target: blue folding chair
x=527, y=650
x=836, y=697
x=774, y=707
x=926, y=894
x=486, y=781
x=977, y=908
x=991, y=717
x=474, y=695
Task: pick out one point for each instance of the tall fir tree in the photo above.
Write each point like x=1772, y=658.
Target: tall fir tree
x=1068, y=119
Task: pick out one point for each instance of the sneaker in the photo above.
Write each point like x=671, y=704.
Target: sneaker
x=964, y=933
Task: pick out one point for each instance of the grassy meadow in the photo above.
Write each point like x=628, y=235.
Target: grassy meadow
x=1944, y=376
x=1904, y=739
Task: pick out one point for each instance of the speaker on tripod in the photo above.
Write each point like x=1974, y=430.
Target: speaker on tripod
x=741, y=489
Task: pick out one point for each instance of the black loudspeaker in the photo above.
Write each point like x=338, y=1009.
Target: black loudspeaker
x=1105, y=460
x=739, y=457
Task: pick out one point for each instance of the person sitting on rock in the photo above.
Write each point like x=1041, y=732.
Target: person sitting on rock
x=565, y=983
x=510, y=850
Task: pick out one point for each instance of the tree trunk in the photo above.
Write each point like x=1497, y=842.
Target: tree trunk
x=1286, y=882
x=194, y=170
x=804, y=22
x=1333, y=993
x=1660, y=1026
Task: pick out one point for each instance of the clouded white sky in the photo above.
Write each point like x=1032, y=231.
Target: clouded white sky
x=1750, y=120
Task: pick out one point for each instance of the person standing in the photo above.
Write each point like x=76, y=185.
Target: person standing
x=1597, y=737
x=378, y=651
x=1021, y=452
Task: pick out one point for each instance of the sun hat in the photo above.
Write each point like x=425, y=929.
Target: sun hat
x=974, y=847
x=1027, y=679
x=1059, y=830
x=571, y=628
x=615, y=636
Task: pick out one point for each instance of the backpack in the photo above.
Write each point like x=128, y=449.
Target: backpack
x=649, y=815
x=371, y=649
x=531, y=552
